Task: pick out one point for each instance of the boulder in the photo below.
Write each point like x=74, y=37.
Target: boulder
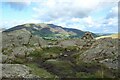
x=20, y=52
x=16, y=71
x=105, y=49
x=4, y=58
x=87, y=36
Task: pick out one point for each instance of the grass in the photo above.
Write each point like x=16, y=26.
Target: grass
x=18, y=61
x=61, y=68
x=84, y=75
x=112, y=36
x=39, y=71
x=46, y=52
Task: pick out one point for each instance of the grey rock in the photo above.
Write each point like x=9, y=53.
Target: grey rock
x=4, y=58
x=67, y=43
x=88, y=36
x=21, y=38
x=19, y=43
x=102, y=50
x=16, y=71
x=20, y=52
x=111, y=63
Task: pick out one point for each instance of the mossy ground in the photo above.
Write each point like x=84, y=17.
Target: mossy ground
x=40, y=71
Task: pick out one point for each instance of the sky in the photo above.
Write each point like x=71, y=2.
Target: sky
x=97, y=16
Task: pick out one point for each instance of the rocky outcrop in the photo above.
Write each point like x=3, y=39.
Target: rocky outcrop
x=85, y=41
x=104, y=51
x=21, y=38
x=88, y=36
x=19, y=43
x=16, y=71
x=67, y=43
x=4, y=58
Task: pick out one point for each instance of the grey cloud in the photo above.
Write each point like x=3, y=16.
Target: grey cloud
x=70, y=9
x=16, y=5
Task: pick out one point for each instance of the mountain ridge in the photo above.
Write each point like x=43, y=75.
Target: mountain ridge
x=50, y=30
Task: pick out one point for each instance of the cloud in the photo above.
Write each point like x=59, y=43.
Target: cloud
x=54, y=9
x=68, y=8
x=18, y=5
x=72, y=13
x=111, y=20
x=12, y=23
x=113, y=12
x=76, y=14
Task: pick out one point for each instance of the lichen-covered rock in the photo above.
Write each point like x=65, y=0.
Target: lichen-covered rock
x=16, y=71
x=21, y=38
x=15, y=38
x=67, y=43
x=102, y=50
x=88, y=36
x=19, y=43
x=4, y=58
x=20, y=52
x=110, y=63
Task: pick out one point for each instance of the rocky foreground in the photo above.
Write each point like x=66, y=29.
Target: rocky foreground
x=29, y=56
x=16, y=71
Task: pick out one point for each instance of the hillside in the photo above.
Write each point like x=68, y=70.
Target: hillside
x=29, y=55
x=112, y=36
x=49, y=31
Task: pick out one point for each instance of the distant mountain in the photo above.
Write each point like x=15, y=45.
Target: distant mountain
x=50, y=31
x=104, y=34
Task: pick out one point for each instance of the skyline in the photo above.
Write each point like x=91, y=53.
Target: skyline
x=88, y=15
